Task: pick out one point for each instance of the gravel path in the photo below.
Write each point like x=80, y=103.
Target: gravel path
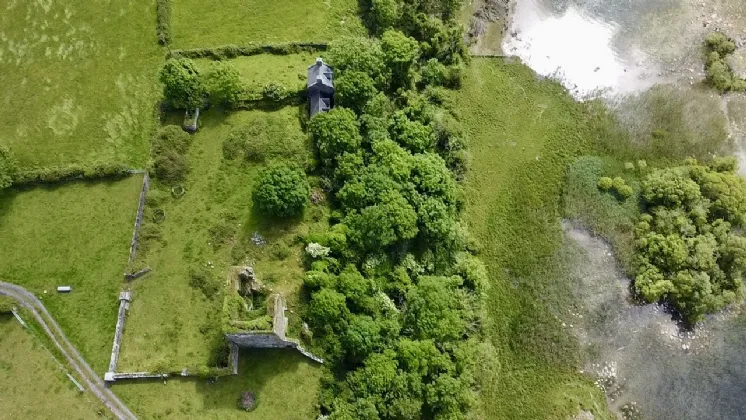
x=94, y=383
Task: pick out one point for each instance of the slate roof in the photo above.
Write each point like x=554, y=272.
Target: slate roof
x=320, y=87
x=319, y=74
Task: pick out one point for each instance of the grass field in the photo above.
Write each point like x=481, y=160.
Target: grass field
x=523, y=133
x=212, y=23
x=285, y=384
x=79, y=80
x=33, y=386
x=76, y=234
x=257, y=70
x=172, y=324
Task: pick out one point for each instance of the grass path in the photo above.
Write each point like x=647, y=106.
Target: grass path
x=523, y=133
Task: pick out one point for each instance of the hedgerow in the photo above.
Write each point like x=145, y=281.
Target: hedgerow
x=396, y=300
x=163, y=21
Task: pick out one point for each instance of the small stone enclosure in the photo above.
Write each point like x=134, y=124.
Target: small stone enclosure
x=245, y=281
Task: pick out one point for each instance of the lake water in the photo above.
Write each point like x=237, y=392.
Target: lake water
x=619, y=49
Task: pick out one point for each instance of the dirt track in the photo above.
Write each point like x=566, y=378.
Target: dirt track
x=42, y=316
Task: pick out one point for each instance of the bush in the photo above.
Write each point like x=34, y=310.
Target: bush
x=605, y=183
x=8, y=167
x=223, y=83
x=247, y=402
x=625, y=191
x=718, y=72
x=182, y=85
x=274, y=91
x=171, y=167
x=281, y=191
x=171, y=138
x=720, y=43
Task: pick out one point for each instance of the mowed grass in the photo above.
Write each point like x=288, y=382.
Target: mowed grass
x=523, y=133
x=79, y=80
x=76, y=234
x=33, y=386
x=285, y=384
x=210, y=23
x=171, y=324
x=257, y=70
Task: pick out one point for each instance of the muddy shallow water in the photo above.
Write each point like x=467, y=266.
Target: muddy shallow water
x=619, y=49
x=639, y=355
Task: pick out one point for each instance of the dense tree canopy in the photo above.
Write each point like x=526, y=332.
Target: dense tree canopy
x=688, y=249
x=395, y=300
x=281, y=191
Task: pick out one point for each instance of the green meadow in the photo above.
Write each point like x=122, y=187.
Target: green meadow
x=212, y=23
x=80, y=80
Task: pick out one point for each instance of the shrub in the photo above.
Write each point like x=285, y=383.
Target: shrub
x=281, y=191
x=720, y=43
x=223, y=83
x=182, y=85
x=274, y=91
x=247, y=402
x=617, y=183
x=8, y=167
x=605, y=183
x=171, y=167
x=434, y=73
x=625, y=191
x=171, y=138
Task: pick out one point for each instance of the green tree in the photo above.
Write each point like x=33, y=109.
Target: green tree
x=223, y=83
x=8, y=167
x=335, y=132
x=353, y=90
x=328, y=307
x=401, y=53
x=412, y=135
x=182, y=84
x=281, y=191
x=435, y=309
x=360, y=54
x=384, y=14
x=380, y=225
